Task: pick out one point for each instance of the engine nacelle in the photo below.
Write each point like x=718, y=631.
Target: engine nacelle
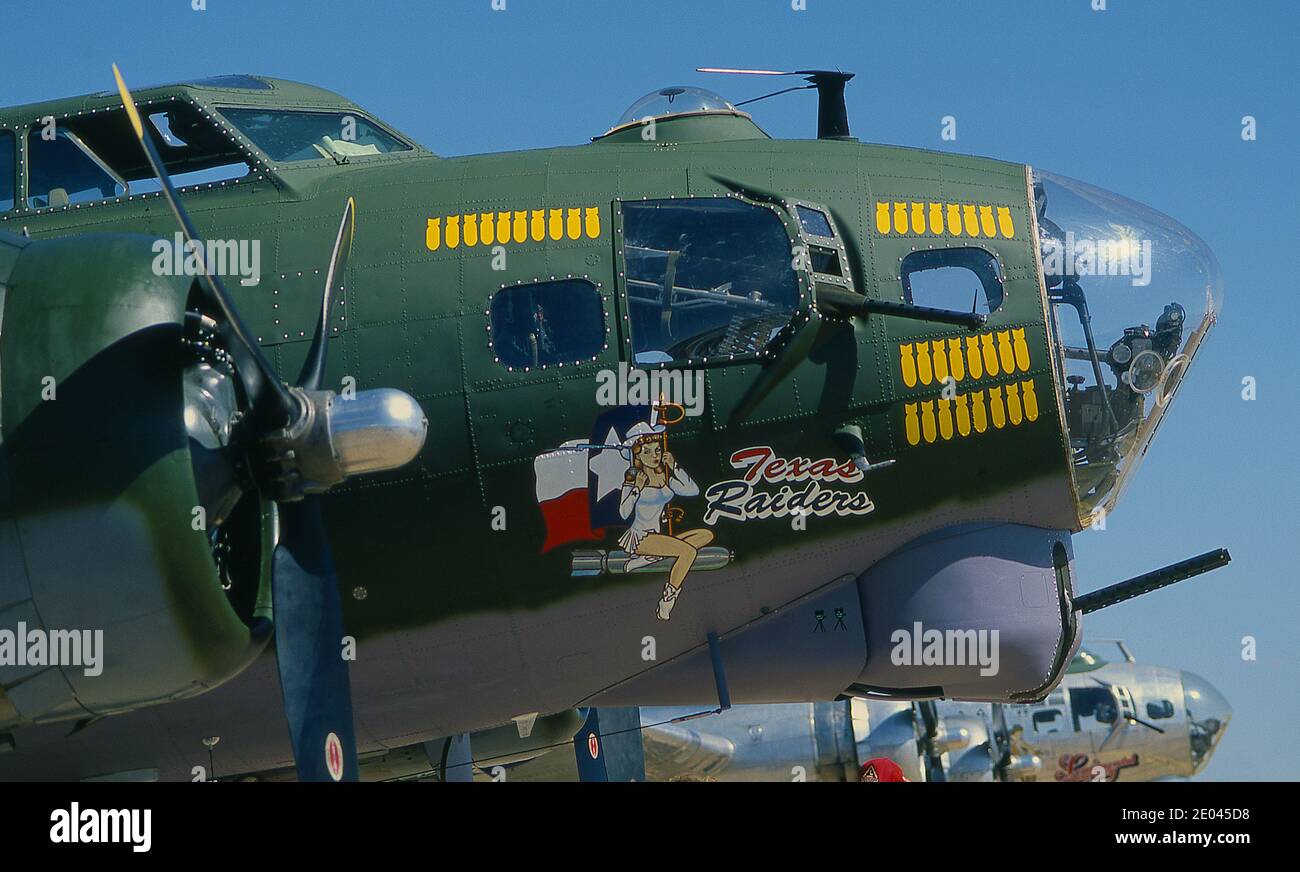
x=103, y=557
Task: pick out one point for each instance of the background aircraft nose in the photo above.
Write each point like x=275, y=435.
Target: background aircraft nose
x=1208, y=714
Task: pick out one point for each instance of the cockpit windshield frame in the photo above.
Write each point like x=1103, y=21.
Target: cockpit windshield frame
x=208, y=158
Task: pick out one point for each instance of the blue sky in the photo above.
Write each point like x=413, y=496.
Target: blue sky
x=1145, y=98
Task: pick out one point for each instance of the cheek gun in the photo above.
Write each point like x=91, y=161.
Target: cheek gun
x=847, y=304
x=1149, y=581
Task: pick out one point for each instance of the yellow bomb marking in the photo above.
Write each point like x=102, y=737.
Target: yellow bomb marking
x=977, y=220
x=1002, y=406
x=926, y=362
x=473, y=229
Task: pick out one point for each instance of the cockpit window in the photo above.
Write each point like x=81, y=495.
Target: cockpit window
x=65, y=171
x=706, y=278
x=1132, y=295
x=7, y=170
x=962, y=279
x=292, y=136
x=95, y=157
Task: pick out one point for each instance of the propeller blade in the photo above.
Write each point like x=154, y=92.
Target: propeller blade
x=313, y=368
x=457, y=763
x=608, y=746
x=265, y=391
x=308, y=647
x=776, y=371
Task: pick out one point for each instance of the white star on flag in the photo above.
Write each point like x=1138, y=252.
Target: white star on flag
x=610, y=466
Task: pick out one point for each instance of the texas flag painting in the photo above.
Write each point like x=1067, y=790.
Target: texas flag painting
x=562, y=494
x=578, y=484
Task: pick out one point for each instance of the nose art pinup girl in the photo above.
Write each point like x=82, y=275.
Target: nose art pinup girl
x=652, y=481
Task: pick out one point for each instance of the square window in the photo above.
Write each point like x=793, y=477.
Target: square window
x=958, y=279
x=815, y=222
x=547, y=324
x=706, y=278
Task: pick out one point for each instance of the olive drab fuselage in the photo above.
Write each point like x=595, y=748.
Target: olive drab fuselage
x=437, y=238
x=458, y=548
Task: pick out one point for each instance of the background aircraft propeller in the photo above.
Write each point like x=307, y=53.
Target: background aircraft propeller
x=608, y=746
x=307, y=446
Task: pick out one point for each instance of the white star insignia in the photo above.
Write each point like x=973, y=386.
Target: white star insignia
x=610, y=466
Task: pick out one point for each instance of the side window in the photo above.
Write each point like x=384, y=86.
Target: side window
x=815, y=222
x=547, y=324
x=1092, y=702
x=62, y=170
x=961, y=279
x=826, y=256
x=188, y=153
x=7, y=174
x=1046, y=721
x=710, y=277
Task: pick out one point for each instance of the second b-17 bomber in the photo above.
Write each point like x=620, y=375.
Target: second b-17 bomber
x=683, y=416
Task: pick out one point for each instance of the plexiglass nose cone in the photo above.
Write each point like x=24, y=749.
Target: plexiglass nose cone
x=1132, y=293
x=1208, y=713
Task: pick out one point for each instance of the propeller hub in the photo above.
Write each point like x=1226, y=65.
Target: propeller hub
x=335, y=437
x=211, y=411
x=950, y=737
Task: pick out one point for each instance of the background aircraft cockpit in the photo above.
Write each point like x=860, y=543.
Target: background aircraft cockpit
x=1132, y=294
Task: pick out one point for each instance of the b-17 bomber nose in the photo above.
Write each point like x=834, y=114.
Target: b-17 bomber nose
x=1131, y=296
x=1208, y=713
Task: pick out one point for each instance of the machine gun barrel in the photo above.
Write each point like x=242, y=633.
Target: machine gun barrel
x=846, y=303
x=1149, y=581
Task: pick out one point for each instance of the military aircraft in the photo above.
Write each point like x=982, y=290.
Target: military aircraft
x=710, y=416
x=1106, y=721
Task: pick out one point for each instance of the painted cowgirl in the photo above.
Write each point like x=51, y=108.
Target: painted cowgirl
x=652, y=481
